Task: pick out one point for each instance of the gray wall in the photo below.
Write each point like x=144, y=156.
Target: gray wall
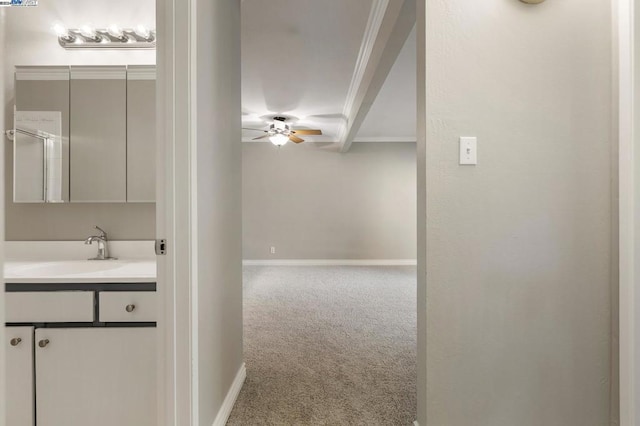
x=515, y=276
x=313, y=203
x=30, y=41
x=218, y=204
x=30, y=222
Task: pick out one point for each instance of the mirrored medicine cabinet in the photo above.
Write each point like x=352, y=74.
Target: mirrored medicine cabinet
x=84, y=134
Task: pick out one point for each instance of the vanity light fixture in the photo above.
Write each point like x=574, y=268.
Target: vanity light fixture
x=112, y=37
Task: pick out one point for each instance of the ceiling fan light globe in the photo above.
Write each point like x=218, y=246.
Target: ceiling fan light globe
x=278, y=139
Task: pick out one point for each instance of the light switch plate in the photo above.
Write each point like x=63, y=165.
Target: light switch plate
x=468, y=150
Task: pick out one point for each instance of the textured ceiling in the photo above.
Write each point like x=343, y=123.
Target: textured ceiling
x=392, y=116
x=298, y=60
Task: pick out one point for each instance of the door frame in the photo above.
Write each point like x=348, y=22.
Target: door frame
x=175, y=212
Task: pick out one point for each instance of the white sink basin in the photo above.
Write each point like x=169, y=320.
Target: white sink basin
x=65, y=262
x=67, y=268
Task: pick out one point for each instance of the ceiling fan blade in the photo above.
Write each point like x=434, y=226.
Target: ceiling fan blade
x=294, y=138
x=260, y=137
x=257, y=130
x=307, y=132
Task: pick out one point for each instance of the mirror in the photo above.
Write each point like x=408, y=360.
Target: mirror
x=37, y=157
x=84, y=134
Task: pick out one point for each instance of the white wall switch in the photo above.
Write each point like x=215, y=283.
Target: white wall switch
x=468, y=150
x=272, y=250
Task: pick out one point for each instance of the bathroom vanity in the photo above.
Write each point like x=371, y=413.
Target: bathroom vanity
x=81, y=335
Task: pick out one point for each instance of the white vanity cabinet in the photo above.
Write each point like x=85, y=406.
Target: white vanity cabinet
x=128, y=306
x=81, y=354
x=96, y=376
x=49, y=307
x=19, y=377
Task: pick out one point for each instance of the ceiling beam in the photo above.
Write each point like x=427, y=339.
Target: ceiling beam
x=390, y=23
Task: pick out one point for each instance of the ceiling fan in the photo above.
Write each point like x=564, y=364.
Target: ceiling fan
x=280, y=132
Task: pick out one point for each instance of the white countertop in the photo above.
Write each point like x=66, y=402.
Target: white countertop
x=80, y=271
x=65, y=262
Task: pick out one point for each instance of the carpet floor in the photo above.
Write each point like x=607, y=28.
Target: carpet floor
x=328, y=346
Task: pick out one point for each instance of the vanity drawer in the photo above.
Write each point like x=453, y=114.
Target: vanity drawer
x=128, y=306
x=49, y=306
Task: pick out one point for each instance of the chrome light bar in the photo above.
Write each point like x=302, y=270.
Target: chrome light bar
x=108, y=38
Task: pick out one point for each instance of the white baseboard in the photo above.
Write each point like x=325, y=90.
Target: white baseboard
x=230, y=399
x=330, y=262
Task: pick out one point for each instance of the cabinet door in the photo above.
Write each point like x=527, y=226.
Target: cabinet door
x=96, y=376
x=141, y=134
x=41, y=89
x=19, y=385
x=98, y=145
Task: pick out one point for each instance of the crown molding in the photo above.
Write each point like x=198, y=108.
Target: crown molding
x=374, y=23
x=107, y=72
x=389, y=25
x=42, y=73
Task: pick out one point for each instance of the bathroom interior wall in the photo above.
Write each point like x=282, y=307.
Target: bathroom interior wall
x=310, y=202
x=515, y=276
x=30, y=41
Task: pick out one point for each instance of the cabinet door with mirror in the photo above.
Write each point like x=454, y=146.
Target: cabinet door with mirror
x=98, y=134
x=141, y=134
x=84, y=134
x=41, y=135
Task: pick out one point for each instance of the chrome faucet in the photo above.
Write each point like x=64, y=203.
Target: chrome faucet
x=103, y=245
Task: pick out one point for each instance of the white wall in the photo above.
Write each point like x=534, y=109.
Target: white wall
x=515, y=253
x=218, y=203
x=314, y=203
x=31, y=41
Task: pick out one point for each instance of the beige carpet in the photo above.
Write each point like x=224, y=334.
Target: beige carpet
x=329, y=346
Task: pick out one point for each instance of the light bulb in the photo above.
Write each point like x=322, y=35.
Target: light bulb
x=60, y=30
x=87, y=31
x=115, y=31
x=279, y=139
x=142, y=31
x=63, y=34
